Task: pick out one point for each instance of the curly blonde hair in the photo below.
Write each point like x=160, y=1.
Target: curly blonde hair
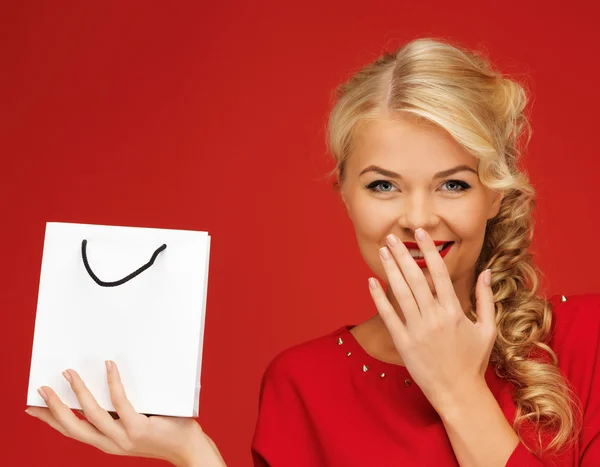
x=483, y=110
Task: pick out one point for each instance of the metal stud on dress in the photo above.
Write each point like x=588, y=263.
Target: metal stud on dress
x=365, y=368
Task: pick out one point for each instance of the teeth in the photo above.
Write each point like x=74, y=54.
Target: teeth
x=417, y=253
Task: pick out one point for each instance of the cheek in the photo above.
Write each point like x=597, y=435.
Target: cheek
x=372, y=222
x=470, y=232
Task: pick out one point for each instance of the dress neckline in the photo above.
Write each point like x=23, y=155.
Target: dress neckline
x=349, y=343
x=346, y=342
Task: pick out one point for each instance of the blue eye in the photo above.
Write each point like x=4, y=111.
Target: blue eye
x=462, y=185
x=371, y=186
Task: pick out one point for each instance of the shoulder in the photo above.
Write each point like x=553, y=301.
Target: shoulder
x=306, y=359
x=585, y=303
x=575, y=337
x=576, y=319
x=292, y=394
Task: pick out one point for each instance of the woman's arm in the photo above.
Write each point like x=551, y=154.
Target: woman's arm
x=203, y=453
x=479, y=432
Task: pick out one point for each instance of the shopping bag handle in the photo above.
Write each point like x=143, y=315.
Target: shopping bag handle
x=126, y=278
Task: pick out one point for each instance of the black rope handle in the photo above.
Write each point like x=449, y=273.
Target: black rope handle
x=126, y=278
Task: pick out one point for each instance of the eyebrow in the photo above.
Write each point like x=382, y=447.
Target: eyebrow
x=443, y=173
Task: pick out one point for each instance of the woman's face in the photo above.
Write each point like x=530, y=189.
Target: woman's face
x=390, y=186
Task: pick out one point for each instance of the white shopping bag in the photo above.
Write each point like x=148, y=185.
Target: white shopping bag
x=133, y=295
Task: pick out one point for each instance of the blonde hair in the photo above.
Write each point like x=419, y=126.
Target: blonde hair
x=459, y=90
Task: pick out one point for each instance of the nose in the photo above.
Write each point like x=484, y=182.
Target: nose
x=418, y=211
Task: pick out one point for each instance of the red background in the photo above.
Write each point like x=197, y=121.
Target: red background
x=211, y=116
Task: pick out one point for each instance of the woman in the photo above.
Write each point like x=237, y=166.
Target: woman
x=459, y=366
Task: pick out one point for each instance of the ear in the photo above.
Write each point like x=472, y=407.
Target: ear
x=340, y=188
x=496, y=203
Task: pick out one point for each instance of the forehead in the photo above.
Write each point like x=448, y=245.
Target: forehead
x=407, y=145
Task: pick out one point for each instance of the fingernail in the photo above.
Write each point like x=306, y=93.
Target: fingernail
x=420, y=234
x=108, y=365
x=43, y=394
x=67, y=376
x=487, y=277
x=392, y=239
x=29, y=413
x=372, y=283
x=385, y=253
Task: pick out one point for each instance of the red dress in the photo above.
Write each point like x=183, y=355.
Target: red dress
x=326, y=402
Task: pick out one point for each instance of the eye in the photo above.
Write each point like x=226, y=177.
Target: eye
x=459, y=184
x=384, y=183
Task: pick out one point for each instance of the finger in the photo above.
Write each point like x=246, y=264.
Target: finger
x=130, y=418
x=413, y=275
x=389, y=316
x=400, y=288
x=485, y=305
x=45, y=415
x=75, y=428
x=438, y=270
x=78, y=412
x=96, y=415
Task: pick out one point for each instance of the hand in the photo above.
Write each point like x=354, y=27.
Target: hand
x=179, y=441
x=445, y=353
